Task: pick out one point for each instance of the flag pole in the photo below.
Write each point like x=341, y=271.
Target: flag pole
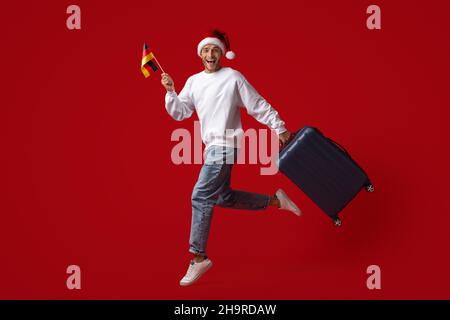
x=158, y=64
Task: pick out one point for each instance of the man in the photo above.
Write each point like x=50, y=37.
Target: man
x=217, y=94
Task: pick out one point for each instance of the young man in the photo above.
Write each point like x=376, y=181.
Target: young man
x=217, y=94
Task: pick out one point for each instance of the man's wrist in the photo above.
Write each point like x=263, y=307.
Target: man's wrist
x=281, y=130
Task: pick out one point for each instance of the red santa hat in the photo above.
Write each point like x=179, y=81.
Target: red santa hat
x=219, y=39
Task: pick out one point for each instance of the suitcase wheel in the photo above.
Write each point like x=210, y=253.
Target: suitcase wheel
x=337, y=222
x=370, y=188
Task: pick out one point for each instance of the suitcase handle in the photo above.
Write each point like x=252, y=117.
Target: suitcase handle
x=336, y=143
x=293, y=134
x=339, y=146
x=346, y=152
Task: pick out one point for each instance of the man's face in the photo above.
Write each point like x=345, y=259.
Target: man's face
x=211, y=55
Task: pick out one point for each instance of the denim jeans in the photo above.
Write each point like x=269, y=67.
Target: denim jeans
x=213, y=188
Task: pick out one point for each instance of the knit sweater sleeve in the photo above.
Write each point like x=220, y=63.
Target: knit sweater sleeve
x=180, y=106
x=258, y=107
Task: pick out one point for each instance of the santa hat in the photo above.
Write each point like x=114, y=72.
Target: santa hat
x=219, y=39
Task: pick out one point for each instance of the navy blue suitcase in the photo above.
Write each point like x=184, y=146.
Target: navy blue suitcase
x=323, y=170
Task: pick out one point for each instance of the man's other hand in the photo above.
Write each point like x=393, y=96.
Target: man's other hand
x=284, y=137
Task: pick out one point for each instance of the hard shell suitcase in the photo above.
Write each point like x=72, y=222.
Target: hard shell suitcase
x=323, y=170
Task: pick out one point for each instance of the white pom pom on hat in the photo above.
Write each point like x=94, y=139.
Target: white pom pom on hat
x=220, y=39
x=230, y=55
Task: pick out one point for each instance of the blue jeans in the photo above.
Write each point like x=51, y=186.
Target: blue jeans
x=213, y=188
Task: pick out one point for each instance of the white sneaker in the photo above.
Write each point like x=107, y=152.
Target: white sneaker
x=286, y=203
x=195, y=271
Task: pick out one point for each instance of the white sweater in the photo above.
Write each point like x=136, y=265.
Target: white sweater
x=217, y=97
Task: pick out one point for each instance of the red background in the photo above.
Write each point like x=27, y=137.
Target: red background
x=87, y=177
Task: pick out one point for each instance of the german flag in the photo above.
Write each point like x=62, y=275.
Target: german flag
x=148, y=62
